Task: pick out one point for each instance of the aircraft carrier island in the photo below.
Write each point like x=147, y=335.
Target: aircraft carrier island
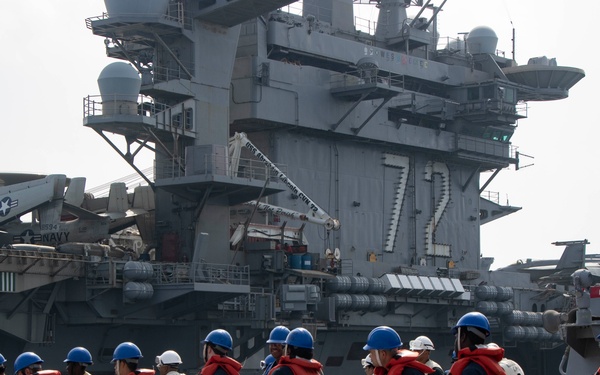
x=306, y=173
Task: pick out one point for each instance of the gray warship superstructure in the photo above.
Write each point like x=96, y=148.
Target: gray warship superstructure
x=366, y=152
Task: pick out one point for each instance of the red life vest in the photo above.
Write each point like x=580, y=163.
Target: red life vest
x=299, y=366
x=230, y=365
x=404, y=358
x=486, y=357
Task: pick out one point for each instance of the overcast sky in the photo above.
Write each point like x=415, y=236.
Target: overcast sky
x=51, y=62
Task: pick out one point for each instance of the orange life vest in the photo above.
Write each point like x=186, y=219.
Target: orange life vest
x=230, y=365
x=299, y=366
x=486, y=357
x=404, y=358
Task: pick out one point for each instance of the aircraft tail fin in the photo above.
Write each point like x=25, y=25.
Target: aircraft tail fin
x=75, y=191
x=143, y=198
x=573, y=256
x=118, y=202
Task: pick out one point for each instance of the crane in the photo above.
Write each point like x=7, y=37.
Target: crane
x=315, y=215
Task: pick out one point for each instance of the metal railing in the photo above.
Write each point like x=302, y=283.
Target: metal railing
x=214, y=164
x=182, y=273
x=366, y=76
x=25, y=260
x=94, y=105
x=164, y=74
x=492, y=196
x=483, y=146
x=110, y=273
x=175, y=13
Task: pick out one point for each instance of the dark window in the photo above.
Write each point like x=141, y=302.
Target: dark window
x=189, y=118
x=489, y=92
x=334, y=361
x=356, y=351
x=176, y=120
x=509, y=95
x=473, y=93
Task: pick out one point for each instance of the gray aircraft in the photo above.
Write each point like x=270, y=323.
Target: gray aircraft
x=62, y=213
x=362, y=154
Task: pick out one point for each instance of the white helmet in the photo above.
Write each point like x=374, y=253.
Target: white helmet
x=511, y=367
x=421, y=343
x=170, y=357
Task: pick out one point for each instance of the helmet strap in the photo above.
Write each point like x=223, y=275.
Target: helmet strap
x=458, y=340
x=378, y=359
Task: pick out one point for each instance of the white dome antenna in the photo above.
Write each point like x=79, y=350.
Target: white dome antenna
x=337, y=254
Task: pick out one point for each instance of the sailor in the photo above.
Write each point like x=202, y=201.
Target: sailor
x=367, y=365
x=78, y=359
x=383, y=345
x=423, y=345
x=268, y=361
x=168, y=363
x=126, y=358
x=298, y=358
x=511, y=367
x=473, y=356
x=598, y=341
x=2, y=364
x=28, y=363
x=216, y=345
x=276, y=343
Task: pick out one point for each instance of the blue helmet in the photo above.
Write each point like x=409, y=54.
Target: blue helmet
x=126, y=350
x=2, y=360
x=278, y=335
x=473, y=319
x=219, y=337
x=25, y=360
x=269, y=359
x=383, y=337
x=300, y=338
x=267, y=362
x=79, y=355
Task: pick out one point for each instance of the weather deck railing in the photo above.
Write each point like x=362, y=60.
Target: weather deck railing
x=214, y=164
x=181, y=273
x=366, y=76
x=40, y=262
x=95, y=105
x=110, y=273
x=175, y=13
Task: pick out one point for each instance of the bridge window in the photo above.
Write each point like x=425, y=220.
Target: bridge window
x=473, y=93
x=189, y=118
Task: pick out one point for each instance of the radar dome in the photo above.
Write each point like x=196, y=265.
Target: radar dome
x=456, y=45
x=136, y=7
x=482, y=39
x=119, y=81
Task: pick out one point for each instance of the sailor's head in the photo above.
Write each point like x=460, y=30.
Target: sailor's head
x=27, y=363
x=126, y=357
x=422, y=345
x=471, y=329
x=78, y=359
x=276, y=341
x=168, y=361
x=382, y=343
x=299, y=343
x=217, y=342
